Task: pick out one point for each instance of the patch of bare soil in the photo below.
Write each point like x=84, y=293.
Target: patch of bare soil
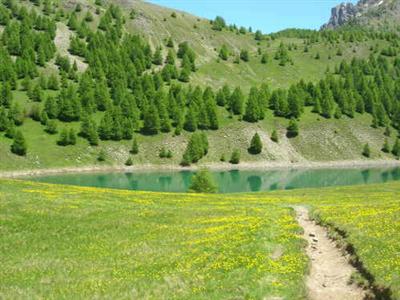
x=62, y=39
x=330, y=270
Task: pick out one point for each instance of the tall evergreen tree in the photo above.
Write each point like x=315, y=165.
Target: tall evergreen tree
x=19, y=146
x=255, y=144
x=292, y=129
x=151, y=120
x=253, y=109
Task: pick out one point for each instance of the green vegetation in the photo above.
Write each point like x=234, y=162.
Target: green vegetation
x=182, y=246
x=55, y=85
x=219, y=242
x=255, y=144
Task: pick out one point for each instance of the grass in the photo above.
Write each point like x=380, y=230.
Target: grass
x=70, y=242
x=63, y=241
x=156, y=25
x=318, y=137
x=371, y=227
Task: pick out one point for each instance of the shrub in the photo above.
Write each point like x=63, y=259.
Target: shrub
x=274, y=136
x=235, y=157
x=19, y=145
x=366, y=151
x=129, y=162
x=292, y=129
x=102, y=156
x=135, y=147
x=255, y=145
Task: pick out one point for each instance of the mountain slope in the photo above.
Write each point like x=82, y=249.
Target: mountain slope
x=87, y=85
x=156, y=24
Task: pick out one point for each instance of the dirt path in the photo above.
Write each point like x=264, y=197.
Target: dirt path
x=330, y=270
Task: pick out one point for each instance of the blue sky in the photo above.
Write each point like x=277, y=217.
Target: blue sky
x=266, y=15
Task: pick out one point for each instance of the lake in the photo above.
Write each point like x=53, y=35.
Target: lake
x=229, y=181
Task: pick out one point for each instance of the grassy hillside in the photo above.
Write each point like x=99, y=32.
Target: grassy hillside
x=319, y=140
x=156, y=24
x=153, y=246
x=81, y=60
x=87, y=242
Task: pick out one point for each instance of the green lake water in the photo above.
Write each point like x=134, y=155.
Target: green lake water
x=229, y=181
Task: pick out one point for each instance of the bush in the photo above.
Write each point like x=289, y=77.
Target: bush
x=292, y=129
x=235, y=157
x=102, y=156
x=366, y=151
x=51, y=127
x=19, y=145
x=396, y=148
x=135, y=147
x=255, y=145
x=203, y=182
x=129, y=162
x=274, y=136
x=386, y=146
x=196, y=149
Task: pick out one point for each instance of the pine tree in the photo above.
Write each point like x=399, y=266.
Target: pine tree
x=50, y=107
x=135, y=147
x=6, y=95
x=366, y=151
x=151, y=120
x=191, y=119
x=396, y=148
x=196, y=149
x=10, y=131
x=244, y=55
x=51, y=127
x=253, y=109
x=102, y=156
x=203, y=182
x=387, y=131
x=105, y=128
x=16, y=114
x=3, y=119
x=255, y=145
x=163, y=153
x=185, y=74
x=235, y=157
x=292, y=129
x=236, y=101
x=258, y=35
x=218, y=24
x=19, y=144
x=71, y=137
x=224, y=52
x=63, y=139
x=264, y=58
x=37, y=94
x=386, y=146
x=129, y=162
x=295, y=104
x=170, y=43
x=274, y=136
x=157, y=57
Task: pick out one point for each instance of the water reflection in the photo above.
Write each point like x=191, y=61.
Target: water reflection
x=230, y=181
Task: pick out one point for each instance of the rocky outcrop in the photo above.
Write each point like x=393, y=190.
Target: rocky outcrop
x=346, y=12
x=341, y=14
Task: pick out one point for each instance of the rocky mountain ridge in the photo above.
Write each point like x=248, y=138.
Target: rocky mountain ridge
x=362, y=11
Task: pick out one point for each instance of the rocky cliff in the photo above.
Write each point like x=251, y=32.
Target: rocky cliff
x=362, y=11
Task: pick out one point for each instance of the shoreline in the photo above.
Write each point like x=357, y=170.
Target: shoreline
x=244, y=166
